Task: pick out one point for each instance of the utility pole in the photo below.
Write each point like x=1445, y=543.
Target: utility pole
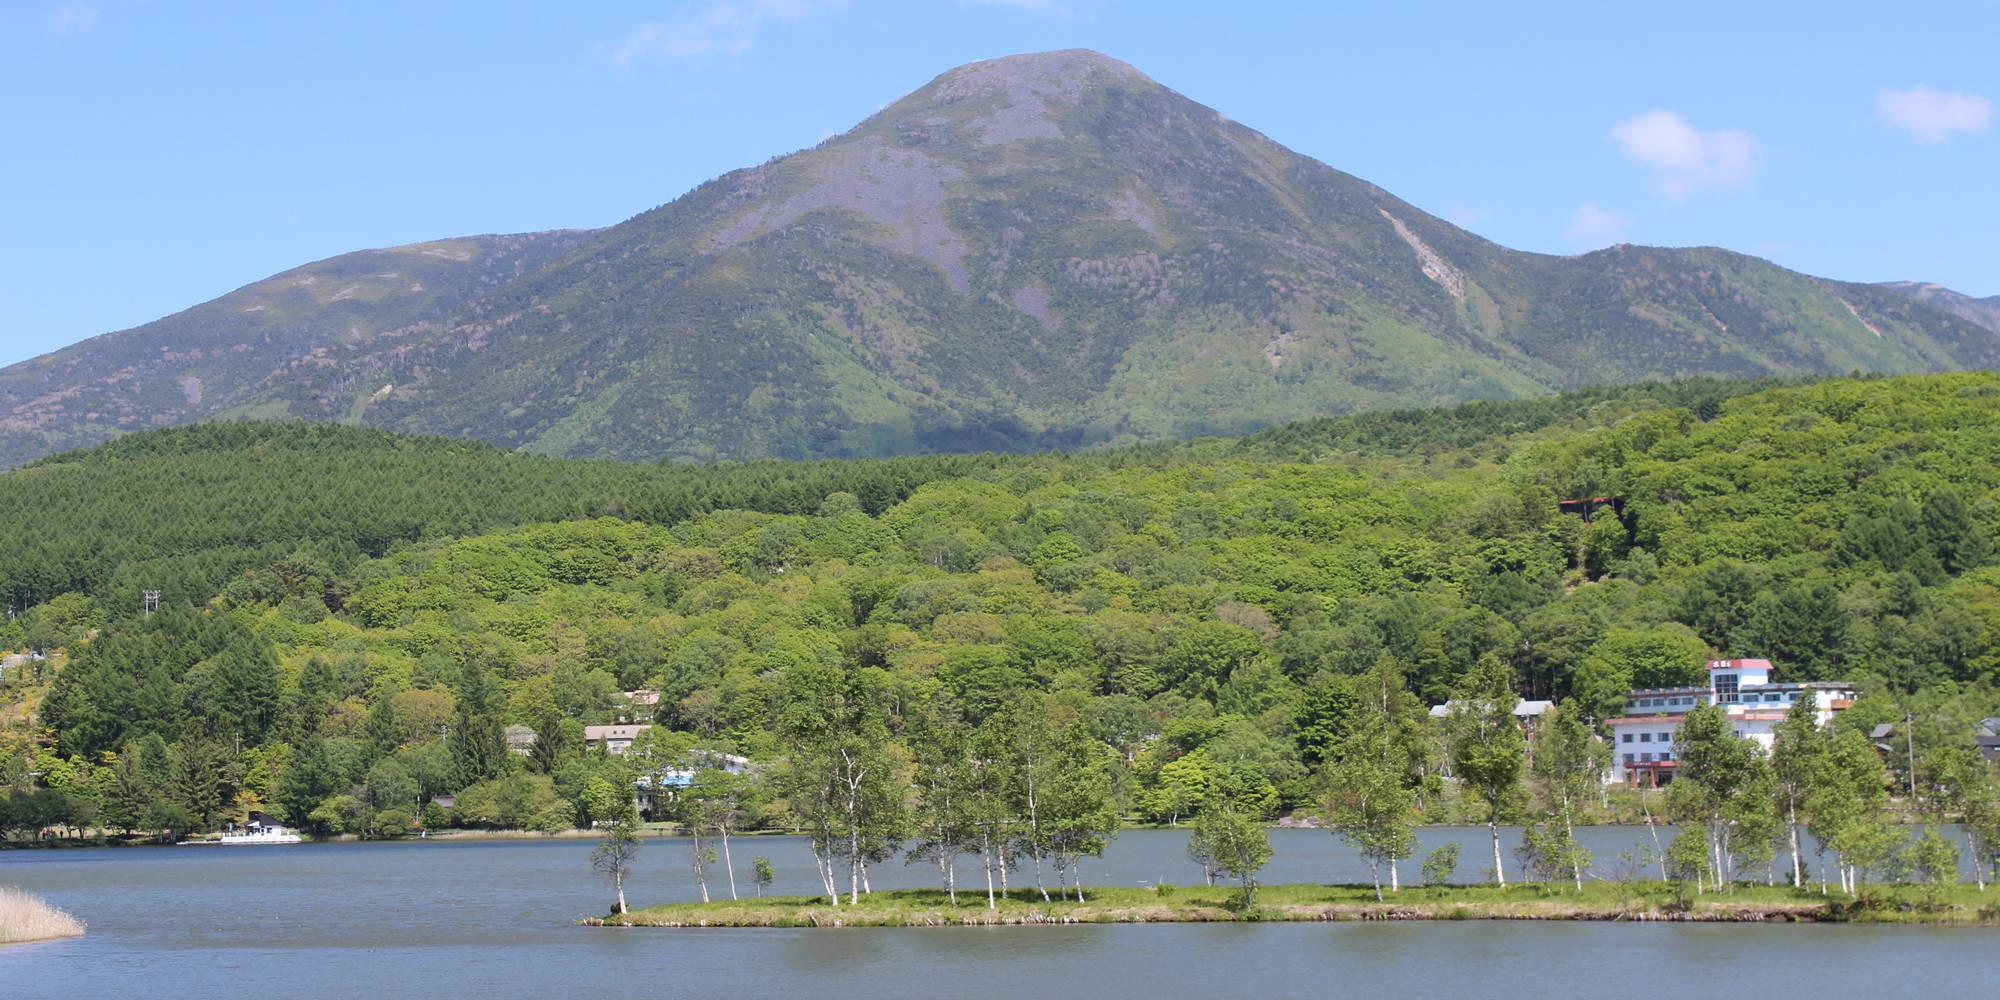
x=1910, y=738
x=152, y=602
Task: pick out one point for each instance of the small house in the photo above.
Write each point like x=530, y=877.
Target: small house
x=615, y=739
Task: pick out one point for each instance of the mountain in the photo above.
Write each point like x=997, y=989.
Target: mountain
x=1041, y=251
x=1985, y=312
x=209, y=361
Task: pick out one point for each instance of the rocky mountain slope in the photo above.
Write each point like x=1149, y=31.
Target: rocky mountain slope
x=1040, y=251
x=1985, y=312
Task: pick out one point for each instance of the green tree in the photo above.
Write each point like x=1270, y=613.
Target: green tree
x=1717, y=780
x=762, y=874
x=1368, y=805
x=615, y=854
x=1440, y=865
x=125, y=801
x=1796, y=745
x=714, y=802
x=1849, y=790
x=942, y=816
x=309, y=777
x=1487, y=745
x=1204, y=655
x=1077, y=815
x=845, y=776
x=1236, y=843
x=1570, y=761
x=167, y=818
x=1934, y=860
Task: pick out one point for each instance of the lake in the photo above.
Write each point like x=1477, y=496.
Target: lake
x=493, y=918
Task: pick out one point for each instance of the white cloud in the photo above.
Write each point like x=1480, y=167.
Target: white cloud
x=712, y=27
x=72, y=18
x=1598, y=227
x=1931, y=115
x=1686, y=158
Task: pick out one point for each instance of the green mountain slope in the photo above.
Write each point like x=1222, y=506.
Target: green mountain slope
x=211, y=361
x=1039, y=251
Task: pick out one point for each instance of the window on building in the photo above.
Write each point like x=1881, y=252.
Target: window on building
x=1627, y=739
x=1666, y=737
x=1645, y=737
x=1646, y=758
x=1725, y=687
x=1666, y=755
x=1794, y=696
x=1628, y=758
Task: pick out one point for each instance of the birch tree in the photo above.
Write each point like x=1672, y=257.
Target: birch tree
x=1570, y=761
x=1849, y=789
x=1078, y=817
x=943, y=819
x=1367, y=803
x=614, y=855
x=1488, y=747
x=1031, y=748
x=988, y=783
x=1796, y=744
x=714, y=798
x=1718, y=774
x=844, y=777
x=1233, y=842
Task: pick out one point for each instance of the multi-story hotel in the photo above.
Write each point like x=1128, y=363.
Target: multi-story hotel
x=1644, y=753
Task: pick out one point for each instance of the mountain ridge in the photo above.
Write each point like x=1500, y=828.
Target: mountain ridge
x=1050, y=250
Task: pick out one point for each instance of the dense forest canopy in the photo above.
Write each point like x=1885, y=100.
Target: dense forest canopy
x=1215, y=611
x=184, y=509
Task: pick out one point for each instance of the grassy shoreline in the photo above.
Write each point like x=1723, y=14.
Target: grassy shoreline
x=1638, y=901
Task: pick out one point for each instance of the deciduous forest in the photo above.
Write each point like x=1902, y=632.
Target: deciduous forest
x=964, y=648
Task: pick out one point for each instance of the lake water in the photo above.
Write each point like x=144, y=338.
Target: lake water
x=494, y=919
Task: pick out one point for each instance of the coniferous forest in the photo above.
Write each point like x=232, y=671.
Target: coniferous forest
x=1006, y=656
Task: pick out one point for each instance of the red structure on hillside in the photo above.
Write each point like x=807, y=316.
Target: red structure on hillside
x=1589, y=506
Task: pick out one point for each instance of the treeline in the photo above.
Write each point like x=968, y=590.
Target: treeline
x=1214, y=620
x=1390, y=433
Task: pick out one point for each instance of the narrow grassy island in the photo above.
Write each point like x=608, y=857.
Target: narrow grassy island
x=1638, y=901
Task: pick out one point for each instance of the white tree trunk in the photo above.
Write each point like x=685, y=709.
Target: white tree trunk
x=1792, y=807
x=726, y=862
x=986, y=855
x=1493, y=824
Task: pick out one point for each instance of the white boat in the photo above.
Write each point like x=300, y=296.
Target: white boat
x=260, y=829
x=272, y=835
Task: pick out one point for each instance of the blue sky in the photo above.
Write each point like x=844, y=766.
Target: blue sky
x=154, y=155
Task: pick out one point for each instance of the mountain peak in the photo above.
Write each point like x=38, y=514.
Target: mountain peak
x=1022, y=82
x=1065, y=71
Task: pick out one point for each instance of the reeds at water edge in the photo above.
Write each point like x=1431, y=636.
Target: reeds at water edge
x=25, y=916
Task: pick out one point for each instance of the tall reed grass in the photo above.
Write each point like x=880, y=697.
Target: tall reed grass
x=25, y=916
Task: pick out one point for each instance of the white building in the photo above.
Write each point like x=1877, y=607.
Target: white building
x=616, y=739
x=1644, y=752
x=1528, y=713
